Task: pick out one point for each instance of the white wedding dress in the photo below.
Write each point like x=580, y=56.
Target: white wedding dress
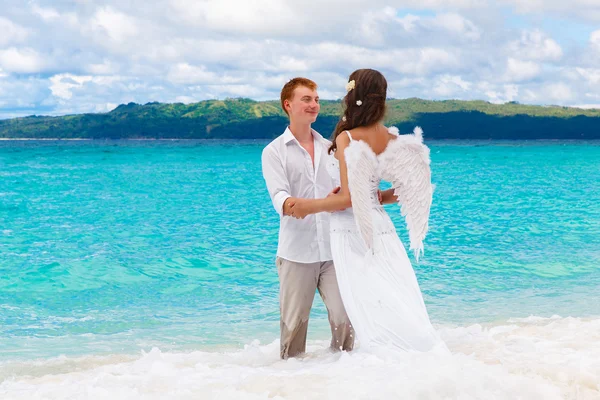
x=376, y=279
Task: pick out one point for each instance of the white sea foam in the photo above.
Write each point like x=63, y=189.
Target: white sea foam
x=532, y=358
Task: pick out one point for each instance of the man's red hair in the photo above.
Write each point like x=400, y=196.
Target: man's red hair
x=287, y=93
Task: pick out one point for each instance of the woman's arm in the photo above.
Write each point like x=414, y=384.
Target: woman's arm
x=336, y=202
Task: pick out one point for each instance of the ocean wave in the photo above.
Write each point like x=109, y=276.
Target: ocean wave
x=529, y=358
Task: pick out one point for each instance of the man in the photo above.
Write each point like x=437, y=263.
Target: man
x=294, y=166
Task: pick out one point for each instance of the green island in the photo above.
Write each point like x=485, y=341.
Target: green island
x=248, y=119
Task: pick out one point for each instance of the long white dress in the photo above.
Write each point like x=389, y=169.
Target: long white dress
x=376, y=279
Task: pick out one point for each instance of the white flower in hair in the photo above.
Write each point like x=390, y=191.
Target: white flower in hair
x=344, y=118
x=350, y=85
x=358, y=103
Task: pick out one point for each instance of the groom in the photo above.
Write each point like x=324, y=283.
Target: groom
x=294, y=166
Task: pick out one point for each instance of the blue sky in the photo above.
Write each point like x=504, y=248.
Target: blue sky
x=64, y=57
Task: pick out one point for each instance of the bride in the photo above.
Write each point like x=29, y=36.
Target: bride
x=376, y=280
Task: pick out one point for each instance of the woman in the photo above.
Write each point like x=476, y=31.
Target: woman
x=376, y=280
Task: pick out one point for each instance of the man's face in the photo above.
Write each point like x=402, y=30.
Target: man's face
x=304, y=105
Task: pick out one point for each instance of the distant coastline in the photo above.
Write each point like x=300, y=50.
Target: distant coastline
x=249, y=119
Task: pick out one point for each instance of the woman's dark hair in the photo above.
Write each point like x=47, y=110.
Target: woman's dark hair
x=370, y=90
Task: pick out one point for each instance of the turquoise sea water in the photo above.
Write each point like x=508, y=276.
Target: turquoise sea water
x=113, y=247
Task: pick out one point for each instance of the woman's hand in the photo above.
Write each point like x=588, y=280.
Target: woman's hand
x=388, y=197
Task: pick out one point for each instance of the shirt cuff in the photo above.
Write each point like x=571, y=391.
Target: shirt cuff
x=278, y=201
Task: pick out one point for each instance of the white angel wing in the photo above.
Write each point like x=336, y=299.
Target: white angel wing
x=361, y=163
x=405, y=163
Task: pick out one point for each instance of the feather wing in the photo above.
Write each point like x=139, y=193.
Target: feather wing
x=361, y=163
x=406, y=164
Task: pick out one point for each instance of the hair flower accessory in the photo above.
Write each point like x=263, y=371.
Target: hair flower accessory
x=350, y=85
x=344, y=118
x=358, y=103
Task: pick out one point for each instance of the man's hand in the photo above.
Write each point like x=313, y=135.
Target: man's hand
x=334, y=191
x=287, y=205
x=300, y=209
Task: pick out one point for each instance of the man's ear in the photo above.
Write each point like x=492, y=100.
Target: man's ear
x=286, y=104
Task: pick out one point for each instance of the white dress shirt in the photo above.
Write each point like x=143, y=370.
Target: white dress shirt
x=288, y=171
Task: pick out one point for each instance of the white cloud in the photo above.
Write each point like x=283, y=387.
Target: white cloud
x=116, y=25
x=408, y=22
x=591, y=75
x=383, y=27
x=518, y=70
x=457, y=24
x=241, y=90
x=587, y=106
x=11, y=32
x=311, y=18
x=188, y=74
x=422, y=61
x=254, y=18
x=63, y=85
x=559, y=92
x=24, y=60
x=535, y=45
x=46, y=13
x=498, y=94
x=582, y=9
x=107, y=67
x=187, y=50
x=592, y=96
x=414, y=61
x=21, y=96
x=185, y=99
x=451, y=85
x=439, y=4
x=291, y=63
x=595, y=40
x=106, y=107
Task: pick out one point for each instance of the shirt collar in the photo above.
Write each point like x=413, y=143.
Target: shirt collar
x=288, y=136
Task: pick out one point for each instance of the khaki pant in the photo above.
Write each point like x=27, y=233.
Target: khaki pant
x=297, y=285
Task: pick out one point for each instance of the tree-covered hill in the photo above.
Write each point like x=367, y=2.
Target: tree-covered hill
x=249, y=119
